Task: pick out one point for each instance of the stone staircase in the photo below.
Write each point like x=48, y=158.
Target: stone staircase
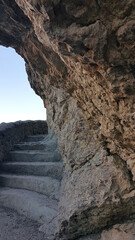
x=30, y=180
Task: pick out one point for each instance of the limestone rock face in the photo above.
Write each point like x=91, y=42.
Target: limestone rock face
x=80, y=59
x=120, y=231
x=125, y=231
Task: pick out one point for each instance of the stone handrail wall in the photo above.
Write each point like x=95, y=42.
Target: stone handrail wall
x=11, y=133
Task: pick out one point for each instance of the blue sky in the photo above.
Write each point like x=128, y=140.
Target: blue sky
x=18, y=101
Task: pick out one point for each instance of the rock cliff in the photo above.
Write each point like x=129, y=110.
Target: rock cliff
x=80, y=59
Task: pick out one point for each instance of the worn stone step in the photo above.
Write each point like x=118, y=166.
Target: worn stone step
x=30, y=146
x=35, y=146
x=34, y=156
x=50, y=169
x=43, y=185
x=31, y=204
x=35, y=138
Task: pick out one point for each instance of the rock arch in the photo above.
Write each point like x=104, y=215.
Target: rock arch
x=79, y=59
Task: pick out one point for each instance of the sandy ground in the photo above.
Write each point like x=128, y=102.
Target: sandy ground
x=17, y=227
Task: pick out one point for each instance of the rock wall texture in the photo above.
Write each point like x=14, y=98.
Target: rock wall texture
x=80, y=59
x=10, y=133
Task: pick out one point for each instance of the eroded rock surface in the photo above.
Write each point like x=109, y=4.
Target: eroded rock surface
x=80, y=59
x=125, y=231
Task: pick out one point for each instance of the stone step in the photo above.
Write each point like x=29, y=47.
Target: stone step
x=30, y=146
x=50, y=169
x=43, y=185
x=35, y=138
x=34, y=156
x=31, y=204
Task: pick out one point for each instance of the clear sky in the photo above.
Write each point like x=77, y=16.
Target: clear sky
x=18, y=101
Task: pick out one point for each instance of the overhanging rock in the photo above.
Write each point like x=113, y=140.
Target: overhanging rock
x=80, y=59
